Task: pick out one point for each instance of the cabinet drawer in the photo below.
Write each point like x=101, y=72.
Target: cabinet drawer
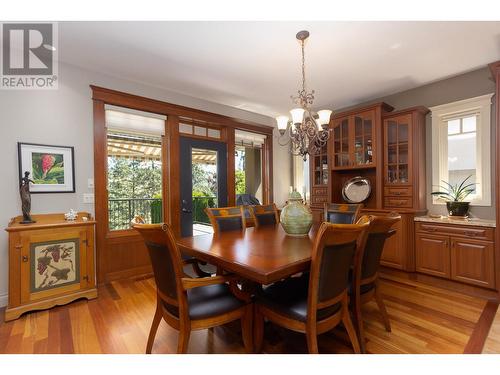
x=457, y=230
x=398, y=191
x=319, y=200
x=319, y=191
x=397, y=202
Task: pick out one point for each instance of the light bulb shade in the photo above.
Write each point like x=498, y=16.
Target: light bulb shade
x=297, y=115
x=324, y=117
x=282, y=122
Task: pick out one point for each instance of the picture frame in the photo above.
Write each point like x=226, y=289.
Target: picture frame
x=51, y=168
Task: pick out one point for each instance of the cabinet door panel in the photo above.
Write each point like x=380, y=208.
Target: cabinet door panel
x=433, y=255
x=53, y=263
x=395, y=251
x=472, y=262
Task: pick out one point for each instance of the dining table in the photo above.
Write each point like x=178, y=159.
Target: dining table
x=262, y=255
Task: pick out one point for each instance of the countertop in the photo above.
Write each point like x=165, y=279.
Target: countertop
x=445, y=220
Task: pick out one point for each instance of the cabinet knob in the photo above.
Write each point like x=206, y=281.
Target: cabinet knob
x=25, y=258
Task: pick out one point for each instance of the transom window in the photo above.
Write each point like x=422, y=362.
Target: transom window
x=461, y=146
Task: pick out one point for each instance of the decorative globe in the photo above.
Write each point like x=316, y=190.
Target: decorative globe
x=296, y=218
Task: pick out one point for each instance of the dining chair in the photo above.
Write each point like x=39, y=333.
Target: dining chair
x=364, y=285
x=186, y=303
x=191, y=265
x=226, y=218
x=315, y=304
x=341, y=213
x=264, y=215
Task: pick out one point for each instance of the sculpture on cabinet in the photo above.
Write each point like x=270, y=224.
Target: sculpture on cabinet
x=24, y=191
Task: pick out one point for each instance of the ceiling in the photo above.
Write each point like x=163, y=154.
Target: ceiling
x=255, y=66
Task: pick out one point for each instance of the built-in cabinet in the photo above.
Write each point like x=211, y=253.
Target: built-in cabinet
x=404, y=159
x=462, y=253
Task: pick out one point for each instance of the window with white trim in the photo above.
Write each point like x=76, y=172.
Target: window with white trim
x=461, y=146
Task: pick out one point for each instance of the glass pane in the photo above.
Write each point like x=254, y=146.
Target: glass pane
x=369, y=150
x=205, y=189
x=213, y=133
x=462, y=157
x=344, y=125
x=198, y=130
x=248, y=172
x=358, y=151
x=134, y=179
x=336, y=145
x=392, y=132
x=403, y=173
x=403, y=153
x=392, y=174
x=368, y=126
x=392, y=155
x=358, y=126
x=185, y=128
x=469, y=124
x=454, y=126
x=336, y=132
x=403, y=133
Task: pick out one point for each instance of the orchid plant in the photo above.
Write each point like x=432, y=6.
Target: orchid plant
x=456, y=192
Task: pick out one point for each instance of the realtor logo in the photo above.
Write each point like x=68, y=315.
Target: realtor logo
x=29, y=56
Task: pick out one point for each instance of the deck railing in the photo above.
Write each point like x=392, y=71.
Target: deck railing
x=121, y=211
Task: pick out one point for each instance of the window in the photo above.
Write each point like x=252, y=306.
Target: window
x=248, y=164
x=461, y=146
x=134, y=149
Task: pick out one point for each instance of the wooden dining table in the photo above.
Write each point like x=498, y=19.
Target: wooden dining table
x=262, y=255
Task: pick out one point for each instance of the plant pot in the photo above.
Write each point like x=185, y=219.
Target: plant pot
x=458, y=208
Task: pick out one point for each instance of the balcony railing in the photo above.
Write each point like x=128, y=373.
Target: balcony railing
x=122, y=211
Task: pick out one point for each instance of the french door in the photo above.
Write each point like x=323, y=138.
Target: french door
x=203, y=182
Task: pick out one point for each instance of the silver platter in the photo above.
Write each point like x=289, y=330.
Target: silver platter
x=356, y=190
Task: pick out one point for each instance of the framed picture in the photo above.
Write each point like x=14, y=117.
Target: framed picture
x=52, y=168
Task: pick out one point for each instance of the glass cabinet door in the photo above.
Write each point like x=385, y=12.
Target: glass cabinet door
x=397, y=150
x=363, y=140
x=320, y=167
x=341, y=144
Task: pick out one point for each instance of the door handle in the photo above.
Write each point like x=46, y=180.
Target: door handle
x=185, y=210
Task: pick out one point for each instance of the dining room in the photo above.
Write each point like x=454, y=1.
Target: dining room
x=250, y=187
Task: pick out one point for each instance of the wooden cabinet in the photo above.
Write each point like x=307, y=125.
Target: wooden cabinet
x=404, y=158
x=353, y=140
x=458, y=252
x=433, y=255
x=319, y=173
x=51, y=262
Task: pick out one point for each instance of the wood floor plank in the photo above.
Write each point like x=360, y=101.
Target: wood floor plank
x=424, y=319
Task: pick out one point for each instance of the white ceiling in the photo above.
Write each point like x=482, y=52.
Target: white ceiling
x=256, y=65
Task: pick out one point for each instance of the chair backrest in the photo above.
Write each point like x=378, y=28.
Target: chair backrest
x=381, y=228
x=165, y=259
x=264, y=215
x=341, y=213
x=332, y=257
x=225, y=219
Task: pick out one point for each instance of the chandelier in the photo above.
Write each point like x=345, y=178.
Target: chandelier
x=307, y=131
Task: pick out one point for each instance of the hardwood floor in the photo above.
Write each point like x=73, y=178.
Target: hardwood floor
x=424, y=319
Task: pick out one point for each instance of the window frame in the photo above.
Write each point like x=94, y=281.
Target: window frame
x=481, y=107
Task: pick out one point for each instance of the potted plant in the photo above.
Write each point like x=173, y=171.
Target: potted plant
x=454, y=195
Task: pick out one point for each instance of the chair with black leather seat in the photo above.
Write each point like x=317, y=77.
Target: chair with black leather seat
x=264, y=215
x=364, y=278
x=187, y=303
x=315, y=304
x=225, y=219
x=341, y=213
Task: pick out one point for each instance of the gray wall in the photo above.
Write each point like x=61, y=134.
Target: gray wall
x=468, y=85
x=64, y=117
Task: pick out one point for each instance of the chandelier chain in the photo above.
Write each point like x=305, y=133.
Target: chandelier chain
x=303, y=67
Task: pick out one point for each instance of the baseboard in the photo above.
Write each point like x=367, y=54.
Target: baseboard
x=4, y=299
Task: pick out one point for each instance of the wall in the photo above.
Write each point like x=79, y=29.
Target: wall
x=64, y=117
x=464, y=86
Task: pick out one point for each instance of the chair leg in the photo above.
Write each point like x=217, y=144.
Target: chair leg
x=346, y=320
x=183, y=342
x=246, y=328
x=312, y=341
x=154, y=327
x=381, y=306
x=358, y=323
x=258, y=329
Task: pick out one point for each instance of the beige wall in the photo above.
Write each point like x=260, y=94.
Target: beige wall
x=448, y=90
x=64, y=117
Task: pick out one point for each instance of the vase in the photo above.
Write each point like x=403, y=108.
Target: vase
x=458, y=208
x=296, y=218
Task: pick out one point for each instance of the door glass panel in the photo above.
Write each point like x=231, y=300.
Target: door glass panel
x=205, y=188
x=134, y=178
x=248, y=173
